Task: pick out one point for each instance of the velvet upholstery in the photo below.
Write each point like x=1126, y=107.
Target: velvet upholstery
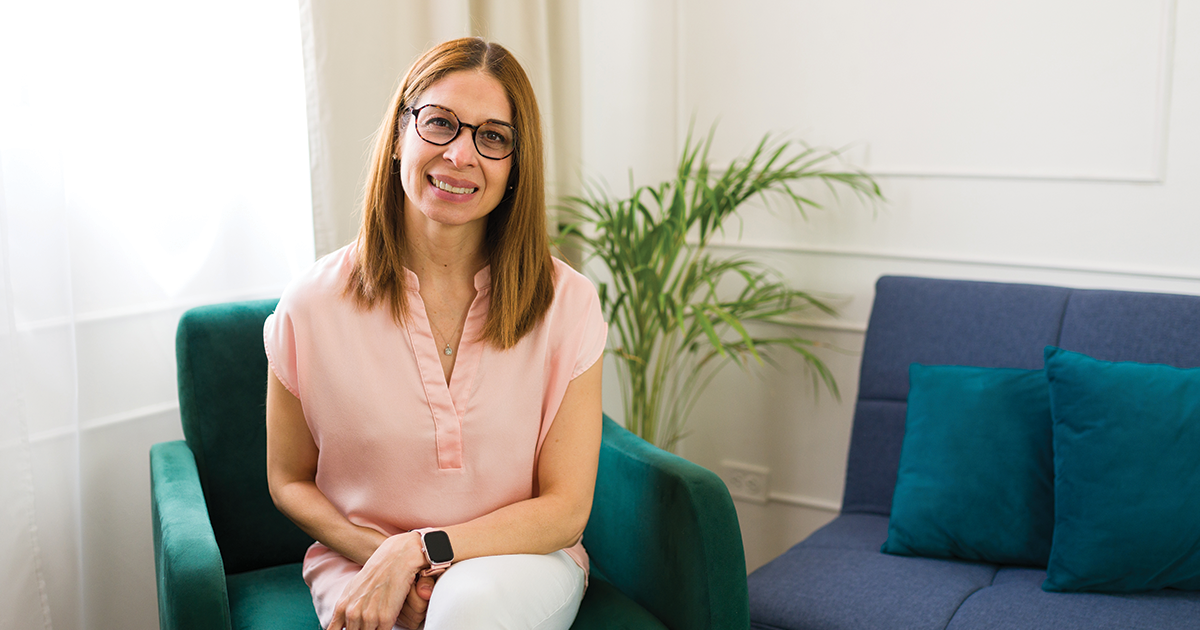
x=271, y=598
x=663, y=536
x=838, y=577
x=680, y=514
x=976, y=478
x=222, y=373
x=1114, y=421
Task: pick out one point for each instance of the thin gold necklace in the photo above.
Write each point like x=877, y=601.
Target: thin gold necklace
x=448, y=351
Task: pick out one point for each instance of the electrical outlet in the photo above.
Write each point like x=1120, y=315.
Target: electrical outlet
x=746, y=481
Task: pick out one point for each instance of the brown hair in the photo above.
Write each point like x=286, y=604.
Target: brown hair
x=517, y=246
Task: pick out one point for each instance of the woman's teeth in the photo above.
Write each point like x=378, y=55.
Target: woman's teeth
x=448, y=188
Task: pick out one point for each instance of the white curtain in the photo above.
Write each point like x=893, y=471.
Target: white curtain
x=156, y=156
x=153, y=157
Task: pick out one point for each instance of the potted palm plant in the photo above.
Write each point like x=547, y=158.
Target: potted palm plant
x=677, y=312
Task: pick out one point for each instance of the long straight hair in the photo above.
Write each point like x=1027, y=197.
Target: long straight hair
x=516, y=243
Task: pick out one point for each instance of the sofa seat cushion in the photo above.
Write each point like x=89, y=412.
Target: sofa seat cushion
x=1016, y=601
x=276, y=597
x=838, y=578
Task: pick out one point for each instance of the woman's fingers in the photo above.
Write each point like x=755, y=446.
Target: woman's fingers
x=368, y=605
x=424, y=588
x=416, y=604
x=375, y=596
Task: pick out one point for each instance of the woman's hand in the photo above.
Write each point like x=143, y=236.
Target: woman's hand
x=374, y=599
x=417, y=603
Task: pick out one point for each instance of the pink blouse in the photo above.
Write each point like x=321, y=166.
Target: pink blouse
x=399, y=448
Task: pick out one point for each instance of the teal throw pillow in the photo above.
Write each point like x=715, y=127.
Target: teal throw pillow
x=976, y=467
x=1127, y=475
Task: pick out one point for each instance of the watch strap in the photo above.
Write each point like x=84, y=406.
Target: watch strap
x=435, y=568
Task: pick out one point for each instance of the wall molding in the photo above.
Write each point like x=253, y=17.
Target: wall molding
x=803, y=501
x=940, y=259
x=796, y=500
x=1156, y=170
x=833, y=325
x=99, y=423
x=149, y=308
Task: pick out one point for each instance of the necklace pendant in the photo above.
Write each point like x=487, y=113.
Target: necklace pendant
x=449, y=351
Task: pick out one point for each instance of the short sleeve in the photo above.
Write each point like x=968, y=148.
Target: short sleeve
x=279, y=338
x=595, y=334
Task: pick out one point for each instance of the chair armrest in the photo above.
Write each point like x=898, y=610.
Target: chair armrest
x=191, y=578
x=665, y=532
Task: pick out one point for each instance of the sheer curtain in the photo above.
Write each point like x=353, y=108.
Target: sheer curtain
x=153, y=157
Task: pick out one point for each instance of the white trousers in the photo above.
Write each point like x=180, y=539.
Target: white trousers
x=517, y=592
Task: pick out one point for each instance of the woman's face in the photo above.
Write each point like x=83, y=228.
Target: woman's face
x=454, y=185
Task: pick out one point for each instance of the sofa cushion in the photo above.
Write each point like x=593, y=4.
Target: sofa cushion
x=976, y=478
x=273, y=598
x=1016, y=601
x=954, y=322
x=1130, y=326
x=935, y=322
x=874, y=456
x=838, y=578
x=1113, y=423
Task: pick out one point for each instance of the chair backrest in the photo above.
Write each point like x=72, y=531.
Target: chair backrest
x=987, y=324
x=222, y=370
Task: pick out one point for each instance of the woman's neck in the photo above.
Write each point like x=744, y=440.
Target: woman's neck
x=450, y=257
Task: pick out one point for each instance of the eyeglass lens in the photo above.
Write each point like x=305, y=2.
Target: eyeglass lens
x=440, y=126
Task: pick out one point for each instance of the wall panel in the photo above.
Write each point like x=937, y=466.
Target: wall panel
x=1068, y=89
x=1049, y=142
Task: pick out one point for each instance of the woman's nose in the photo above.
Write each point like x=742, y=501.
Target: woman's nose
x=461, y=150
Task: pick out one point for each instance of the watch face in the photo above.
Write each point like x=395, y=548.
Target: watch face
x=437, y=545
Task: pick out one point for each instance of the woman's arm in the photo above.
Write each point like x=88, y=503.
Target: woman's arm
x=566, y=477
x=292, y=474
x=377, y=595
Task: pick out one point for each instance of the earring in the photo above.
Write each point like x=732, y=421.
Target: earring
x=395, y=165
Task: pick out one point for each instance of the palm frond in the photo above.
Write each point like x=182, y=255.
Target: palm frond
x=677, y=313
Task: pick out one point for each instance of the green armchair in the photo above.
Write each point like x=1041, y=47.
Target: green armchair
x=663, y=537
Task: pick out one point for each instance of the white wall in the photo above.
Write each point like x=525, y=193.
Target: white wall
x=1045, y=141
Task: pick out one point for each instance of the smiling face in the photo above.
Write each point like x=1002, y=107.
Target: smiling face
x=453, y=185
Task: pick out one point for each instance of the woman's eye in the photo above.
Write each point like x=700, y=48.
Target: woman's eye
x=438, y=122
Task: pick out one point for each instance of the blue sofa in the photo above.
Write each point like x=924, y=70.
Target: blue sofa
x=839, y=578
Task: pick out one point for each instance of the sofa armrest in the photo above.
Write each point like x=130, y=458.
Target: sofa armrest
x=665, y=532
x=191, y=578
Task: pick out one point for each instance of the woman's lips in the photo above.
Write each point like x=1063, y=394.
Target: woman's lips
x=455, y=186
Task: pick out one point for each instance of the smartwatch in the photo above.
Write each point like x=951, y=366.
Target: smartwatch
x=438, y=552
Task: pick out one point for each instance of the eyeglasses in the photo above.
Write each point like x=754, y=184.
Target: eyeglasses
x=437, y=125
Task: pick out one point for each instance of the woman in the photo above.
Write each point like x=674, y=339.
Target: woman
x=434, y=393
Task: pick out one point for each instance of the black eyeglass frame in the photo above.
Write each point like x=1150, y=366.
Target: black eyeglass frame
x=414, y=113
